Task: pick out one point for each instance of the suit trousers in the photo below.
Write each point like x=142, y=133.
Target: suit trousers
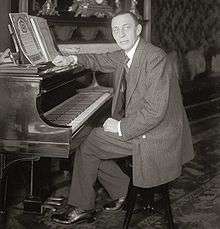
x=94, y=160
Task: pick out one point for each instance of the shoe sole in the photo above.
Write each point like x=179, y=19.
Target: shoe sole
x=86, y=220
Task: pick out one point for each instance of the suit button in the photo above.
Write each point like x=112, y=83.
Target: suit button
x=144, y=136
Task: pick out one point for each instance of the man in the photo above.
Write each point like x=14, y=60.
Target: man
x=154, y=128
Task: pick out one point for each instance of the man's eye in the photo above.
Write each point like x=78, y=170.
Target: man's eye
x=116, y=31
x=126, y=27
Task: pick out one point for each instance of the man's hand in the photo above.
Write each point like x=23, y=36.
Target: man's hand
x=64, y=60
x=111, y=125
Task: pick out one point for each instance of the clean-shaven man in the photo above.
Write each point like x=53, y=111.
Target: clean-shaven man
x=150, y=123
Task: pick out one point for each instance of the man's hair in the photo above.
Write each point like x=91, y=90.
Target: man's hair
x=134, y=16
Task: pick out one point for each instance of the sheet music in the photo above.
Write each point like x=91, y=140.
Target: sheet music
x=26, y=38
x=43, y=32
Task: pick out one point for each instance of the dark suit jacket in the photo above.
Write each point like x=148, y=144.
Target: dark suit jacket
x=155, y=120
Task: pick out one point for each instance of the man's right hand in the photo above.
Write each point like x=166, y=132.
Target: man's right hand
x=64, y=60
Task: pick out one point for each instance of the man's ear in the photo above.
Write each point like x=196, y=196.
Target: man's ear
x=139, y=29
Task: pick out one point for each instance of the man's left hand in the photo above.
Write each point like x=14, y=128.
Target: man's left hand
x=111, y=125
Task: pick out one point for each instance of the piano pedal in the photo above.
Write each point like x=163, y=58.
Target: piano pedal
x=56, y=198
x=55, y=203
x=52, y=204
x=32, y=205
x=47, y=207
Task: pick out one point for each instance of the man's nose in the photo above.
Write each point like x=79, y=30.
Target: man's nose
x=122, y=33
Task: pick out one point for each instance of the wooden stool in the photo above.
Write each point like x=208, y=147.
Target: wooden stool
x=155, y=199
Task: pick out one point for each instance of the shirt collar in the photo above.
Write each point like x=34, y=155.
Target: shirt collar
x=131, y=52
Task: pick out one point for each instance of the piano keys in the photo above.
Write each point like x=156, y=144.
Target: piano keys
x=77, y=109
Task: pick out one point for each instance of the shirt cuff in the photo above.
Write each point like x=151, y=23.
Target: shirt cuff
x=73, y=59
x=119, y=129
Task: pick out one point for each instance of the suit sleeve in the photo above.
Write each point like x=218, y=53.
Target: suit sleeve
x=106, y=62
x=155, y=101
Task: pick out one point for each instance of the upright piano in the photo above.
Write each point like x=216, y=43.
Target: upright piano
x=44, y=113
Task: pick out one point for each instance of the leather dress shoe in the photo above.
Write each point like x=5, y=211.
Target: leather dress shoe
x=74, y=215
x=115, y=205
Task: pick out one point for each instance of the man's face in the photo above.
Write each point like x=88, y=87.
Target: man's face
x=125, y=31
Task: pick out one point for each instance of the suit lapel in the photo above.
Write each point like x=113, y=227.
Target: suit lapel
x=134, y=72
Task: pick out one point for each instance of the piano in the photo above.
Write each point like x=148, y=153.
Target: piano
x=44, y=113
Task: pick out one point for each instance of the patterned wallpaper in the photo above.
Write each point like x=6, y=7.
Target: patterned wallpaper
x=185, y=25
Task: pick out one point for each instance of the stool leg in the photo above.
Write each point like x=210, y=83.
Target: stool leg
x=3, y=203
x=167, y=207
x=3, y=191
x=148, y=198
x=131, y=199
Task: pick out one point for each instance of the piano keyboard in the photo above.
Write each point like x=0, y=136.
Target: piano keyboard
x=77, y=109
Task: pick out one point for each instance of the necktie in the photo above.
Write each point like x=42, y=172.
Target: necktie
x=123, y=90
x=121, y=101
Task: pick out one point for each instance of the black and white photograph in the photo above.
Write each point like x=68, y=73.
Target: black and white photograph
x=109, y=114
